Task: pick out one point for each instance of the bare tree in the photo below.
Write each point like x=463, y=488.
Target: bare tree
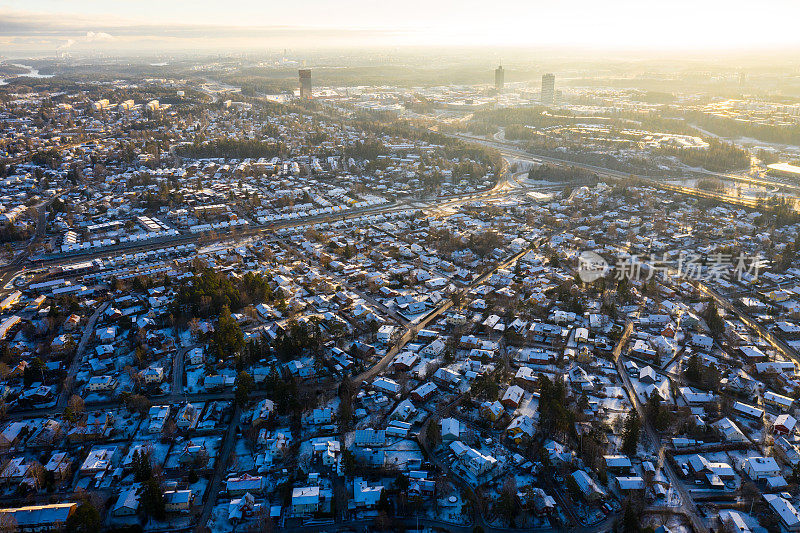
x=76, y=404
x=35, y=475
x=170, y=428
x=8, y=524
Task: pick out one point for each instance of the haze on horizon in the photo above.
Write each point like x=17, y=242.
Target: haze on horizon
x=681, y=27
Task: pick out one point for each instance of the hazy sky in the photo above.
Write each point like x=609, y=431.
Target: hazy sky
x=595, y=24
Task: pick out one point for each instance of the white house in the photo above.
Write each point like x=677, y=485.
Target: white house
x=434, y=348
x=702, y=342
x=385, y=333
x=178, y=500
x=450, y=430
x=127, y=503
x=101, y=384
x=758, y=468
x=364, y=495
x=386, y=385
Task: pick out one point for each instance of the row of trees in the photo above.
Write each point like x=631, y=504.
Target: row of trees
x=151, y=491
x=536, y=116
x=729, y=127
x=718, y=157
x=560, y=173
x=231, y=148
x=777, y=212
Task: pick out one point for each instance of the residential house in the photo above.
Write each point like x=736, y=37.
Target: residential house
x=521, y=429
x=787, y=514
x=758, y=468
x=513, y=397
x=127, y=503
x=305, y=500
x=587, y=486
x=364, y=495
x=237, y=486
x=491, y=411
x=177, y=501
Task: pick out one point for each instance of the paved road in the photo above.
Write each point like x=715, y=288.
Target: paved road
x=500, y=189
x=510, y=149
x=723, y=302
x=112, y=403
x=433, y=315
x=16, y=266
x=178, y=362
x=565, y=503
x=220, y=468
x=687, y=503
x=298, y=252
x=411, y=523
x=466, y=487
x=41, y=213
x=77, y=359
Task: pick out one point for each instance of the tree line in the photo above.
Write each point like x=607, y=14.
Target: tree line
x=231, y=148
x=718, y=157
x=208, y=291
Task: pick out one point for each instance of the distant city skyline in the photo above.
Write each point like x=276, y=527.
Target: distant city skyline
x=616, y=24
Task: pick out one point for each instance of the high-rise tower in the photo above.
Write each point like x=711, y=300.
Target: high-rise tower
x=548, y=89
x=305, y=82
x=499, y=78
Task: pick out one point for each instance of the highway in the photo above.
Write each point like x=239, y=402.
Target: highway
x=240, y=232
x=508, y=184
x=505, y=186
x=511, y=150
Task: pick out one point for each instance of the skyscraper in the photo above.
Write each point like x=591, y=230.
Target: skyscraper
x=499, y=78
x=548, y=89
x=305, y=82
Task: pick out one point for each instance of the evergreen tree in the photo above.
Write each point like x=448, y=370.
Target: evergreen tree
x=151, y=497
x=142, y=470
x=713, y=319
x=85, y=519
x=630, y=520
x=244, y=386
x=228, y=339
x=694, y=369
x=630, y=433
x=656, y=412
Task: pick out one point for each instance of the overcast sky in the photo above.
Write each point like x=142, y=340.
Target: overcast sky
x=594, y=24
